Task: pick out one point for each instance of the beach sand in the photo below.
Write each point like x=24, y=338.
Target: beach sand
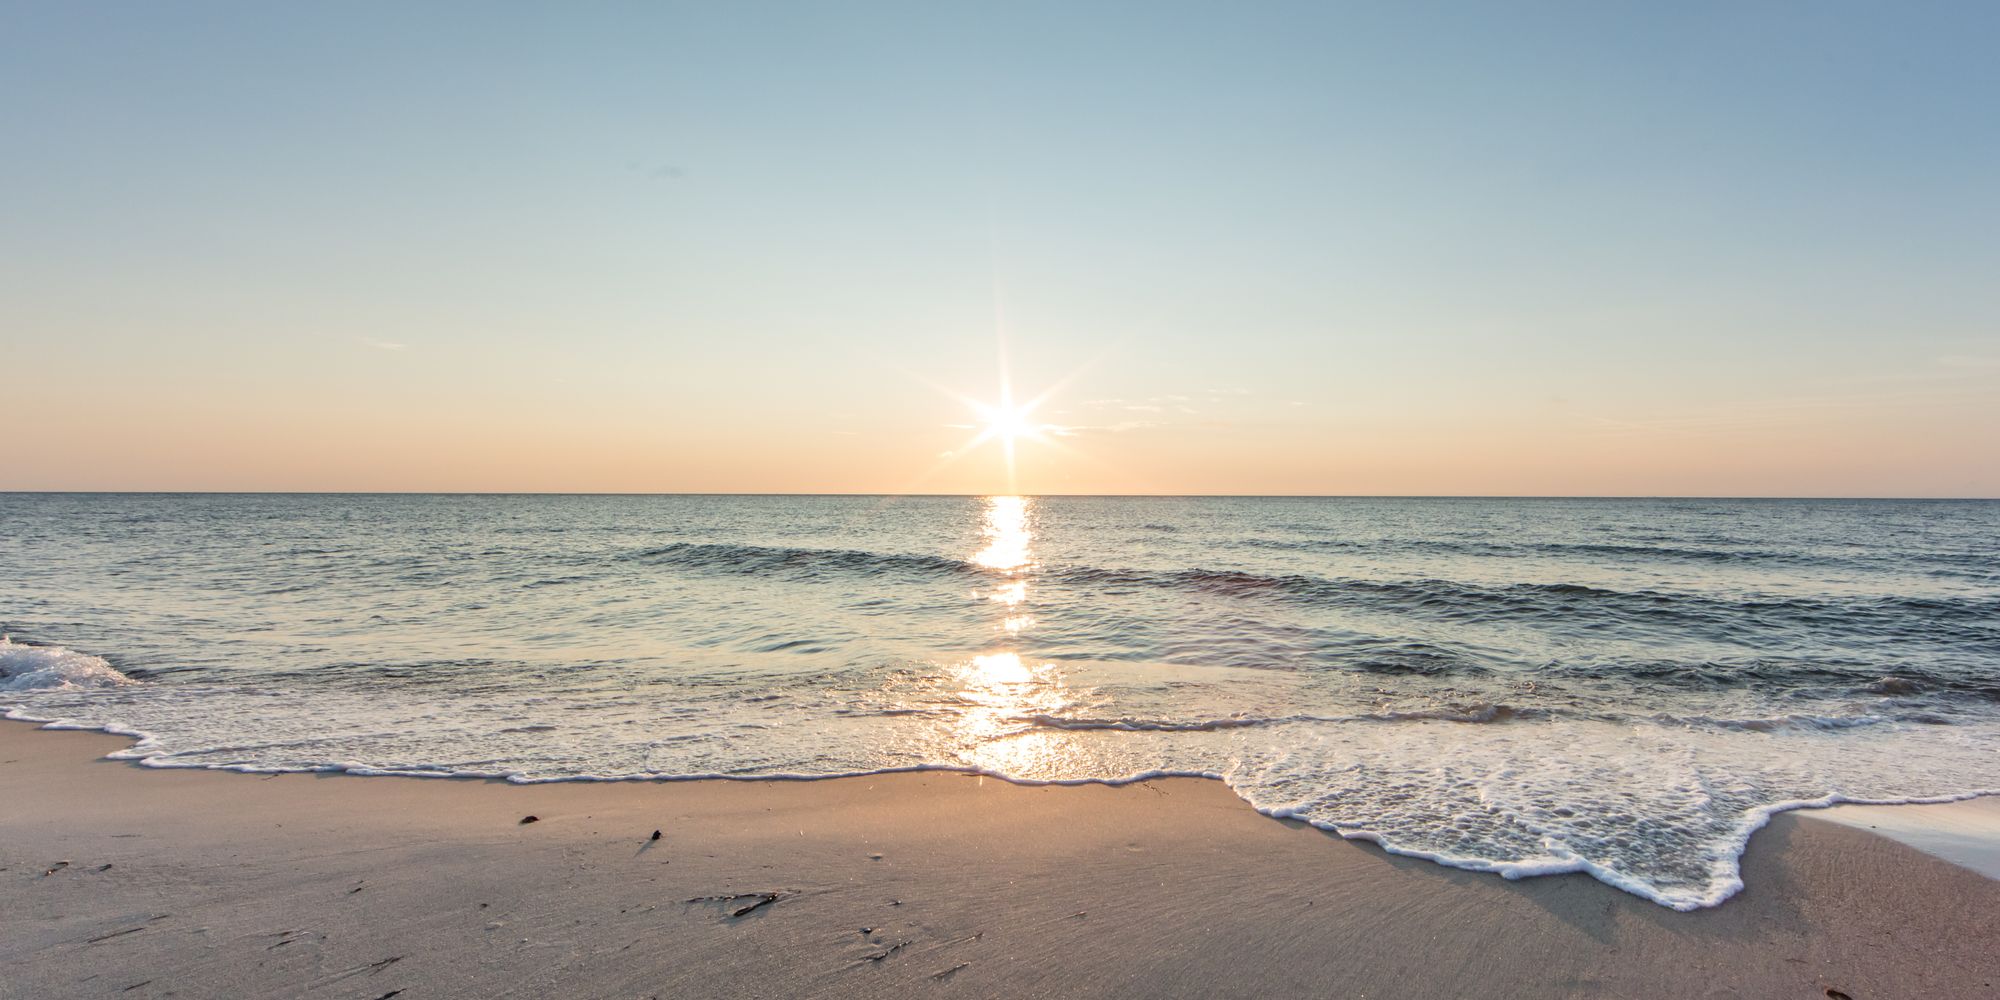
x=123, y=881
x=1967, y=833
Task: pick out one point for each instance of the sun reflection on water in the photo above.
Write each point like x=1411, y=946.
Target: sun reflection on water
x=999, y=695
x=1007, y=535
x=1007, y=550
x=993, y=671
x=999, y=711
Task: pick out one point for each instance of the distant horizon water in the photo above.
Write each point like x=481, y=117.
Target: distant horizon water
x=983, y=495
x=1627, y=687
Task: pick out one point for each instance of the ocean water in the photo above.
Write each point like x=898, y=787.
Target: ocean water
x=1622, y=687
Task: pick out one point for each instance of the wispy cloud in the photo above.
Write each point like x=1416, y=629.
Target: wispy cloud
x=656, y=170
x=1120, y=427
x=383, y=345
x=1164, y=410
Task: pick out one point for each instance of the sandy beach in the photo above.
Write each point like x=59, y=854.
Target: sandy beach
x=123, y=881
x=825, y=500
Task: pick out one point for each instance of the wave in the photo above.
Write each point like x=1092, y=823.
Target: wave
x=1956, y=618
x=1750, y=617
x=1977, y=566
x=1073, y=723
x=1849, y=677
x=38, y=668
x=1517, y=550
x=1474, y=714
x=1414, y=659
x=1471, y=714
x=1727, y=851
x=740, y=558
x=1772, y=723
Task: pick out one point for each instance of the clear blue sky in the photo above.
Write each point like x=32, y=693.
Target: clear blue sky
x=1323, y=248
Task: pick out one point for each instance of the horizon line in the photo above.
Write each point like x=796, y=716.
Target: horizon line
x=1075, y=496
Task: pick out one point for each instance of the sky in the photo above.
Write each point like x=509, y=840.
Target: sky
x=1732, y=249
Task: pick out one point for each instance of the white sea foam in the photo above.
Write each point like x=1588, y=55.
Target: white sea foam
x=1663, y=810
x=28, y=668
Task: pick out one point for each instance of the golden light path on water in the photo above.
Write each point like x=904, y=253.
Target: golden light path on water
x=999, y=691
x=1007, y=535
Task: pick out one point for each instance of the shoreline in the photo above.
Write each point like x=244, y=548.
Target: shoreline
x=1970, y=839
x=1965, y=832
x=226, y=883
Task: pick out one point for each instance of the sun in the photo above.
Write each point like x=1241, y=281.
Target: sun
x=1006, y=422
x=1002, y=421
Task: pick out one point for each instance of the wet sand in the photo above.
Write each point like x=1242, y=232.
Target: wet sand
x=1965, y=833
x=123, y=881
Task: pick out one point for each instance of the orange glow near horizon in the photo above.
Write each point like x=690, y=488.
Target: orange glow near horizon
x=405, y=425
x=1008, y=423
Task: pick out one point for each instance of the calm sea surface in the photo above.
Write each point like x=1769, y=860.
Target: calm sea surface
x=1623, y=687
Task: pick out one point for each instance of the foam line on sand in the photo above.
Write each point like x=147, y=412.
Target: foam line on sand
x=129, y=882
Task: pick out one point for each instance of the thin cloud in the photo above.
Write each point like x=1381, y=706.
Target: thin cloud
x=656, y=170
x=1165, y=410
x=1121, y=427
x=384, y=345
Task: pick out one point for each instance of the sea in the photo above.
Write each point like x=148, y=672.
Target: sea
x=1627, y=688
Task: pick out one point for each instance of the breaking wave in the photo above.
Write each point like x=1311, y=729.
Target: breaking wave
x=52, y=668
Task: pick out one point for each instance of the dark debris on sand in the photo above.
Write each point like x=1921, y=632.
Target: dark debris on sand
x=759, y=900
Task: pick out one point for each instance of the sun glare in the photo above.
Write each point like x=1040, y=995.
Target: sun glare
x=1007, y=422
